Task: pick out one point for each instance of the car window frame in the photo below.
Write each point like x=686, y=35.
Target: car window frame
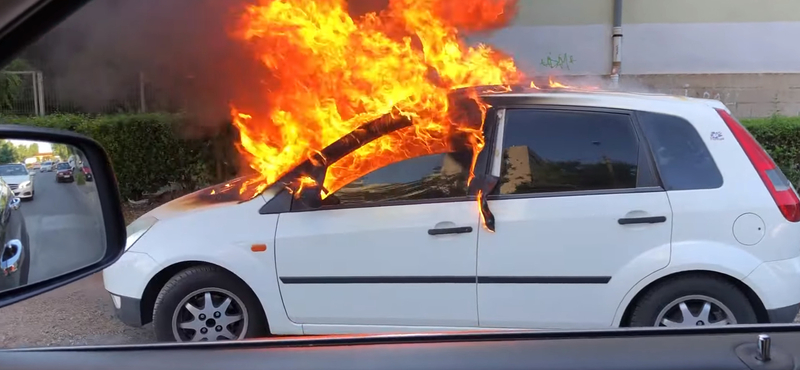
x=481, y=167
x=645, y=158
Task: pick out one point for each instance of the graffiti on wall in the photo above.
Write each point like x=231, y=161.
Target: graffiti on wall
x=562, y=61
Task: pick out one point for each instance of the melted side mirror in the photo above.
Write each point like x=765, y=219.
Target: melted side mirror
x=484, y=185
x=311, y=197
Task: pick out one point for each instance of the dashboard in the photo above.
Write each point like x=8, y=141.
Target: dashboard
x=740, y=347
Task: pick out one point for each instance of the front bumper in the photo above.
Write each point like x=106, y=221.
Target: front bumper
x=128, y=310
x=777, y=284
x=23, y=192
x=126, y=280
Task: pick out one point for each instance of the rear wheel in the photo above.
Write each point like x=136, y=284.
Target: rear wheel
x=206, y=303
x=693, y=300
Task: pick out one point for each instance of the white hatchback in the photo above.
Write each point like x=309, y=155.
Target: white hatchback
x=608, y=209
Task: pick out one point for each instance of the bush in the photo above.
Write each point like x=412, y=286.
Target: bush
x=146, y=150
x=780, y=137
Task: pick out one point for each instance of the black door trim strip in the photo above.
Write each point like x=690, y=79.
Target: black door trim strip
x=445, y=279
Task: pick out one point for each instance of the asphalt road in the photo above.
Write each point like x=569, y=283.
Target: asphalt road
x=65, y=228
x=64, y=223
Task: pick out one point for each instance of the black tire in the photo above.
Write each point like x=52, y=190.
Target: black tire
x=647, y=308
x=199, y=277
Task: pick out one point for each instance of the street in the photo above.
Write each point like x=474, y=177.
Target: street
x=64, y=226
x=64, y=223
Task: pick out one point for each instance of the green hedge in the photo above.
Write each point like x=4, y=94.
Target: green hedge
x=147, y=150
x=780, y=137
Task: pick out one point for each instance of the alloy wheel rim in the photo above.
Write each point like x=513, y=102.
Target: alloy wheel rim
x=695, y=310
x=209, y=314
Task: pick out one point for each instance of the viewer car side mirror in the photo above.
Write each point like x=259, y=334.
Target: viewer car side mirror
x=72, y=224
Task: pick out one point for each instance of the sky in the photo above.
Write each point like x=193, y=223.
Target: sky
x=44, y=147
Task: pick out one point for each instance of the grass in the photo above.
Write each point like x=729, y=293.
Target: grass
x=80, y=178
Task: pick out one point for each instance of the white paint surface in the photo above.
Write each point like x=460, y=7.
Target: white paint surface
x=649, y=48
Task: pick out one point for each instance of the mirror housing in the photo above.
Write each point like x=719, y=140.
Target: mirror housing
x=109, y=207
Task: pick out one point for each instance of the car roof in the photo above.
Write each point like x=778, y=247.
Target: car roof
x=593, y=97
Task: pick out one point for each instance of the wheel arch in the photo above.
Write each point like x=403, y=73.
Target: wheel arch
x=157, y=282
x=755, y=301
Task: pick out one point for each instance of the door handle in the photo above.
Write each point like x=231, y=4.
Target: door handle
x=12, y=251
x=450, y=230
x=642, y=220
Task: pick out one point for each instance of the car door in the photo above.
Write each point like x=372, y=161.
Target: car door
x=579, y=215
x=398, y=250
x=13, y=252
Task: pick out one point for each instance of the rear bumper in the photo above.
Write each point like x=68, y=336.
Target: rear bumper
x=784, y=315
x=777, y=285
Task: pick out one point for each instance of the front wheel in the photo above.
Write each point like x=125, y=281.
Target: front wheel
x=693, y=300
x=206, y=303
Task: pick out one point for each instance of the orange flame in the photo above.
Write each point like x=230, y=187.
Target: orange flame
x=333, y=73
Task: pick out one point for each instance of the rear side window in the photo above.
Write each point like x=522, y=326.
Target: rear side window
x=556, y=151
x=682, y=158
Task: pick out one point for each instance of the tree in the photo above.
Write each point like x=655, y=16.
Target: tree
x=61, y=150
x=11, y=84
x=27, y=151
x=8, y=154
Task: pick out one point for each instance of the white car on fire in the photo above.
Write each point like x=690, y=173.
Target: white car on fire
x=607, y=210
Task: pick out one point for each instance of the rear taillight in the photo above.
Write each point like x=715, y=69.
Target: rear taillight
x=776, y=182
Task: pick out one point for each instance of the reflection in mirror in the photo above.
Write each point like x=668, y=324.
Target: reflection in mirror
x=51, y=222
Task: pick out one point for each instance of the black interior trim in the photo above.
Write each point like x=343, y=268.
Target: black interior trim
x=33, y=24
x=631, y=349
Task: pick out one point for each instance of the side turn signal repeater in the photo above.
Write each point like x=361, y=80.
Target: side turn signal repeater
x=258, y=247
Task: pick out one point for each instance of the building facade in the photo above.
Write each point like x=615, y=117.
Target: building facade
x=741, y=52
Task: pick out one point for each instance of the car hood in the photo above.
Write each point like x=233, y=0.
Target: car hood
x=219, y=195
x=16, y=179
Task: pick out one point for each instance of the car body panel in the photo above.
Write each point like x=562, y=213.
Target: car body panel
x=307, y=244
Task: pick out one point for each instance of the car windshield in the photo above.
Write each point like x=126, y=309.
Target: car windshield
x=13, y=170
x=47, y=163
x=63, y=166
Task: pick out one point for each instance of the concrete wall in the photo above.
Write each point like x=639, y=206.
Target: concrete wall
x=743, y=50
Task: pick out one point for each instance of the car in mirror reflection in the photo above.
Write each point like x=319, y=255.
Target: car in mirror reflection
x=15, y=257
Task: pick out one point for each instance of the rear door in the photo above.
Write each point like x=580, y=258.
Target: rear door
x=580, y=219
x=398, y=250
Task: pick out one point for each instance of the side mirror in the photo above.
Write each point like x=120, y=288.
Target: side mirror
x=484, y=185
x=85, y=232
x=311, y=196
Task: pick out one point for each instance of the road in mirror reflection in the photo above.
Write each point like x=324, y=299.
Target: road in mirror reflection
x=51, y=221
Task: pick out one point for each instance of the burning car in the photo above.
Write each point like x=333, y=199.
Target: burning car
x=409, y=182
x=397, y=248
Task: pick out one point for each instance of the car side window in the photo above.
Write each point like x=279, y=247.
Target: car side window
x=430, y=177
x=682, y=159
x=555, y=151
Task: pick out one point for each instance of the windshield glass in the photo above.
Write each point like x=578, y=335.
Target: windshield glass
x=13, y=170
x=412, y=166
